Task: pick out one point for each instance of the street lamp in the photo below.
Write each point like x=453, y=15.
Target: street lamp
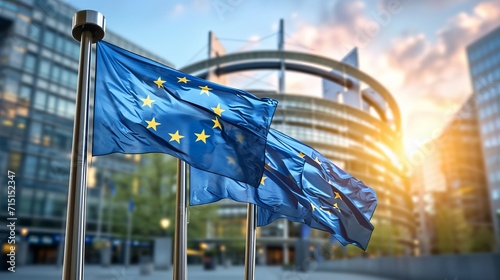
x=165, y=223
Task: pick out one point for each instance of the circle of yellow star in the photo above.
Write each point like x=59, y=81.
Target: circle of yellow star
x=231, y=160
x=159, y=82
x=205, y=89
x=336, y=206
x=176, y=137
x=262, y=181
x=202, y=136
x=240, y=138
x=317, y=160
x=147, y=101
x=216, y=123
x=337, y=195
x=152, y=124
x=218, y=110
x=182, y=80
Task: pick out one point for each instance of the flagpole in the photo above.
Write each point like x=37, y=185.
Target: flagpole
x=250, y=244
x=88, y=28
x=180, y=244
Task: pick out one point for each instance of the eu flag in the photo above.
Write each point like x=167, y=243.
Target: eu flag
x=313, y=197
x=142, y=106
x=279, y=189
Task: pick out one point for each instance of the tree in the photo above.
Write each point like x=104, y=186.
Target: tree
x=453, y=233
x=153, y=189
x=483, y=239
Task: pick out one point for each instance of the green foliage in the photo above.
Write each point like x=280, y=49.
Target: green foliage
x=454, y=234
x=483, y=239
x=382, y=240
x=153, y=189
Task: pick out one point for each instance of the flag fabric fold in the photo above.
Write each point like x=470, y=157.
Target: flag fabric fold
x=142, y=106
x=279, y=189
x=321, y=195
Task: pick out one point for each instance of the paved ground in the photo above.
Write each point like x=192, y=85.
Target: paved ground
x=194, y=272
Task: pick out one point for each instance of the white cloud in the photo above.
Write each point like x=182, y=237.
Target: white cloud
x=427, y=73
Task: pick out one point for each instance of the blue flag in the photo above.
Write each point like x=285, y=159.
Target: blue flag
x=314, y=197
x=279, y=189
x=330, y=211
x=142, y=106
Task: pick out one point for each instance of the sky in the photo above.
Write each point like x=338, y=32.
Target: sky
x=415, y=48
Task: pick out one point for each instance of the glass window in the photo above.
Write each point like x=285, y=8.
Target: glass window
x=51, y=104
x=59, y=43
x=44, y=70
x=38, y=202
x=55, y=75
x=30, y=166
x=40, y=99
x=48, y=39
x=42, y=167
x=73, y=80
x=70, y=110
x=30, y=62
x=25, y=201
x=61, y=109
x=25, y=93
x=36, y=132
x=34, y=32
x=68, y=47
x=64, y=77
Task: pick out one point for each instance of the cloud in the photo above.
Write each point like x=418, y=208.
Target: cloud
x=178, y=9
x=427, y=73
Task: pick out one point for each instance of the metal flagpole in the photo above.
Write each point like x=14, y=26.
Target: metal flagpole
x=88, y=28
x=250, y=244
x=180, y=244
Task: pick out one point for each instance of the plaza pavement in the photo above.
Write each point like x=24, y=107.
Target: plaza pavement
x=195, y=272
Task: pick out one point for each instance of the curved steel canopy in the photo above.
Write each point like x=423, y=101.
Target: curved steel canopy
x=255, y=56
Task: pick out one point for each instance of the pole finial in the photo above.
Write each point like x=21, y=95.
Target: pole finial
x=89, y=20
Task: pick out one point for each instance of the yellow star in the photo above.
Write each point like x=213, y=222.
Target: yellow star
x=217, y=123
x=240, y=138
x=202, y=136
x=301, y=155
x=312, y=206
x=267, y=166
x=152, y=124
x=262, y=180
x=182, y=80
x=159, y=82
x=147, y=101
x=175, y=137
x=205, y=89
x=336, y=206
x=218, y=110
x=317, y=160
x=231, y=160
x=337, y=195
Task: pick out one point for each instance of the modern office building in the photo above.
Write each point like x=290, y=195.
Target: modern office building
x=450, y=189
x=462, y=165
x=484, y=68
x=363, y=138
x=38, y=77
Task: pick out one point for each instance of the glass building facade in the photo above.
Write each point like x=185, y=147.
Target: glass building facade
x=38, y=77
x=484, y=68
